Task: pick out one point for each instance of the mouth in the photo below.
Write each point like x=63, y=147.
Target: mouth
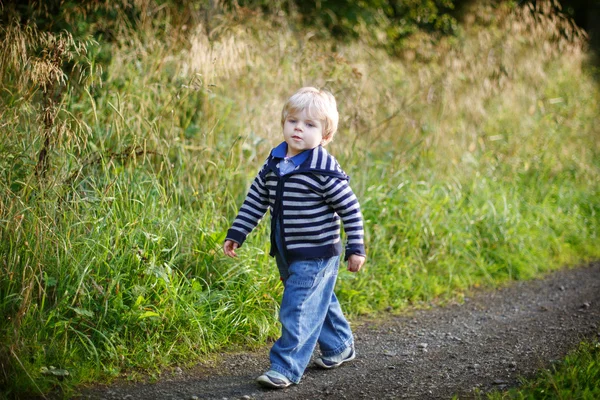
x=296, y=137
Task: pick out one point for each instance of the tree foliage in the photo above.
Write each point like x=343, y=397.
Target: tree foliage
x=383, y=22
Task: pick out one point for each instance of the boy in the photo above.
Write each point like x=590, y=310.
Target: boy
x=307, y=193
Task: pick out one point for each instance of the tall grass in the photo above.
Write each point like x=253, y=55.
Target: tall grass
x=476, y=162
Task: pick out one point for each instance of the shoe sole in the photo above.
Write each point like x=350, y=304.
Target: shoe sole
x=320, y=363
x=266, y=382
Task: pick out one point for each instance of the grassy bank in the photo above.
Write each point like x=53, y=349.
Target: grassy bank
x=576, y=377
x=476, y=162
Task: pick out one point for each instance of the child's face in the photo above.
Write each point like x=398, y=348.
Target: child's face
x=302, y=132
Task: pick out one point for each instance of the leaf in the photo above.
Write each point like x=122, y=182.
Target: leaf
x=139, y=300
x=50, y=280
x=83, y=312
x=54, y=371
x=149, y=314
x=159, y=271
x=218, y=237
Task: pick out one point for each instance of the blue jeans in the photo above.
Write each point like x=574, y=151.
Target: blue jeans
x=309, y=314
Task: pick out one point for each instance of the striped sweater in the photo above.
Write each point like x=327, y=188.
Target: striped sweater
x=308, y=202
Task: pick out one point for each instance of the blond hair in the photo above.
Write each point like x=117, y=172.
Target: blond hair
x=318, y=104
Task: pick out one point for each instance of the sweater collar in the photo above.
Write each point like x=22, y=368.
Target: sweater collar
x=281, y=150
x=317, y=160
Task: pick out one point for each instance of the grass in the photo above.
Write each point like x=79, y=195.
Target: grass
x=576, y=377
x=475, y=164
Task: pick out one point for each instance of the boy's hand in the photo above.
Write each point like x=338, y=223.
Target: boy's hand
x=229, y=248
x=355, y=262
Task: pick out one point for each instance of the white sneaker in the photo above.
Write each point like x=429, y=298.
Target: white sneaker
x=274, y=380
x=335, y=361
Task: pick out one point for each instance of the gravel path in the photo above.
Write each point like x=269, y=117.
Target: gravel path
x=485, y=343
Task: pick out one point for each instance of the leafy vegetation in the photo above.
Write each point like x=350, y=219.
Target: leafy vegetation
x=475, y=159
x=383, y=23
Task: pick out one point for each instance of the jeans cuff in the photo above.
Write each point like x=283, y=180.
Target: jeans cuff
x=339, y=349
x=286, y=373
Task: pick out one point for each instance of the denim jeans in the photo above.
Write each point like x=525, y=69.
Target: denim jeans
x=309, y=314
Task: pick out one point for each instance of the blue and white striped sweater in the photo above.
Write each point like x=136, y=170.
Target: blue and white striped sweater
x=309, y=202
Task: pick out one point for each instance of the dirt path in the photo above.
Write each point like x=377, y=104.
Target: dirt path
x=485, y=343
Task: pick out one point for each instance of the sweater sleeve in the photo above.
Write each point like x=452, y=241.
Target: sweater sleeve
x=339, y=195
x=252, y=210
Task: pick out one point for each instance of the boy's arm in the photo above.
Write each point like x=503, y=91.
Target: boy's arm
x=251, y=212
x=340, y=196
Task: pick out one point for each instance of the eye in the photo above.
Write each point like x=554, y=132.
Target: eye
x=292, y=120
x=310, y=124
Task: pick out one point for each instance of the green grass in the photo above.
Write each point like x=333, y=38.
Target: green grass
x=471, y=171
x=576, y=377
